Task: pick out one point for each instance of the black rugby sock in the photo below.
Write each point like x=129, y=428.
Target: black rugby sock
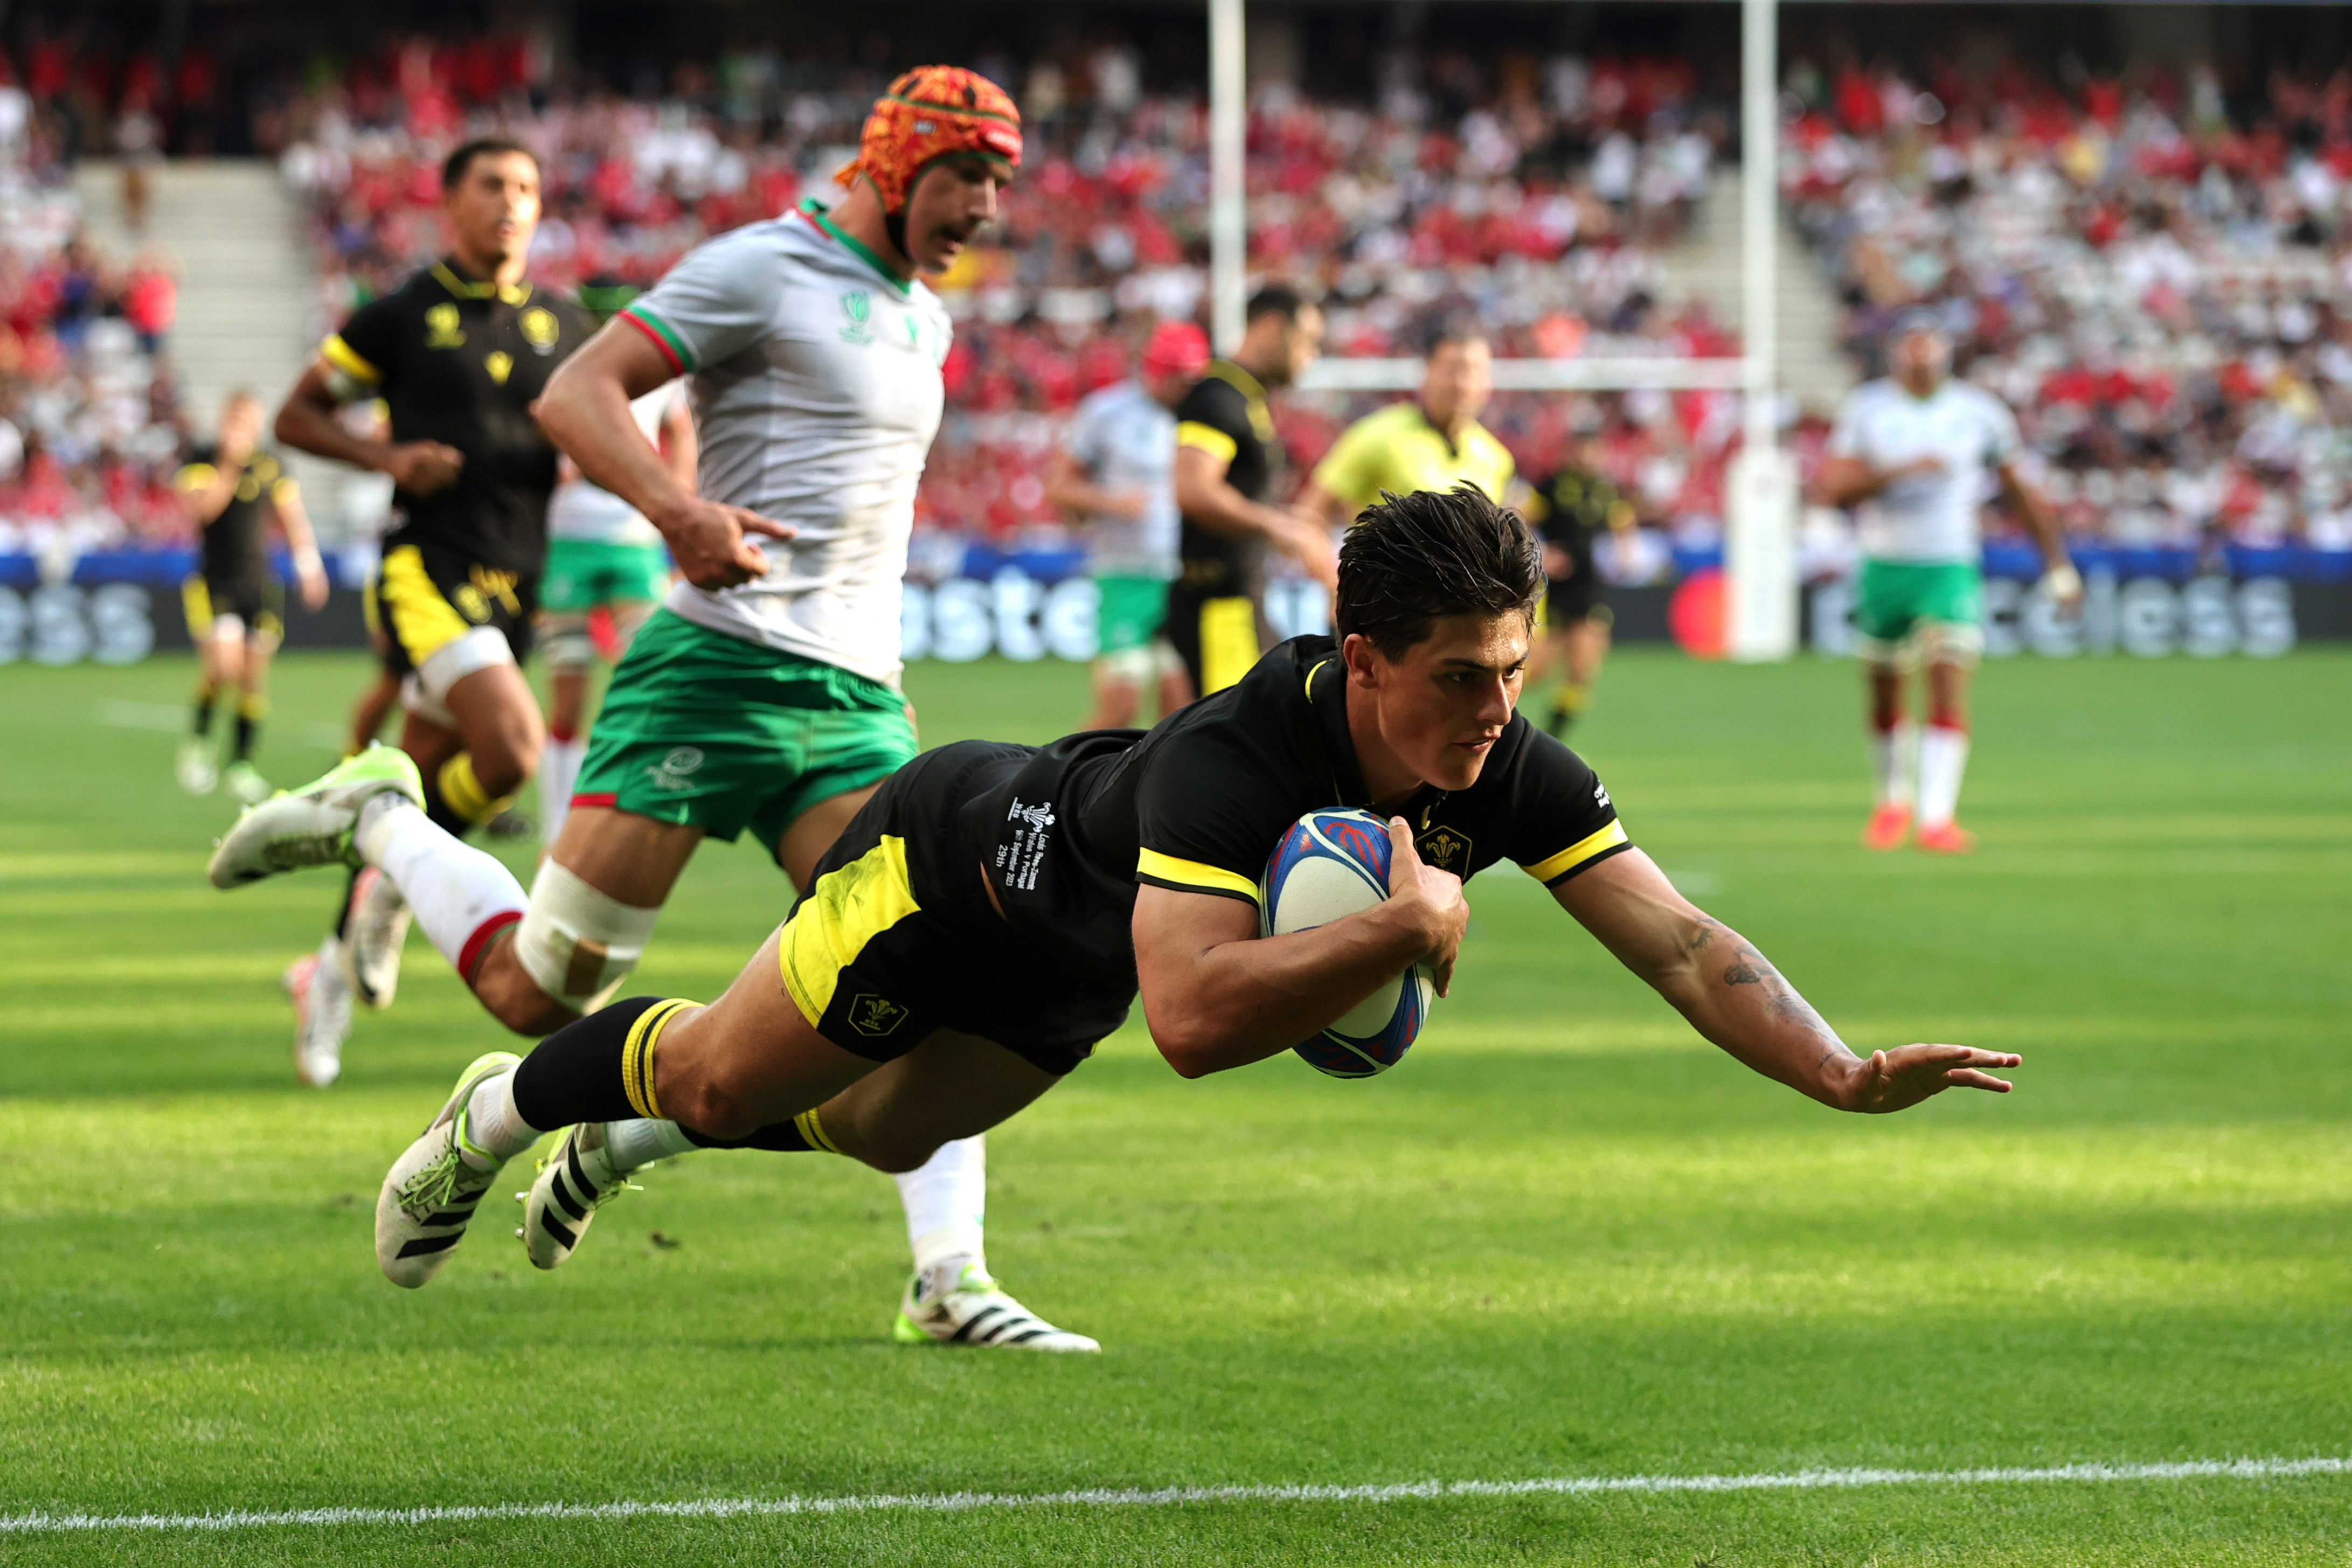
x=599, y=1068
x=203, y=707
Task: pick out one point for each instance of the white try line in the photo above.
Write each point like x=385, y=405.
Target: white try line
x=951, y=1502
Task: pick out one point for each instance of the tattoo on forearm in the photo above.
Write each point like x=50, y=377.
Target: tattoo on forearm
x=1709, y=927
x=1751, y=967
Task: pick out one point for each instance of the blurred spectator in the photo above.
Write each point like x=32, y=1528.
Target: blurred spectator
x=2164, y=295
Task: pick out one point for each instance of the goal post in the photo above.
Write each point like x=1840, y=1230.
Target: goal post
x=1760, y=532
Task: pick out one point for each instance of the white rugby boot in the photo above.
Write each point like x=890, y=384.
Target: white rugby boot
x=956, y=1303
x=378, y=925
x=245, y=783
x=197, y=767
x=322, y=1013
x=575, y=1179
x=430, y=1194
x=311, y=825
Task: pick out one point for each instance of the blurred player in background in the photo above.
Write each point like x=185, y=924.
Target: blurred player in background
x=1571, y=510
x=234, y=604
x=1116, y=477
x=1910, y=453
x=458, y=353
x=1228, y=461
x=764, y=694
x=1430, y=442
x=602, y=554
x=367, y=499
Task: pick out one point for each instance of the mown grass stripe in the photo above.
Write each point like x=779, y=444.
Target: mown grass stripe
x=1162, y=1497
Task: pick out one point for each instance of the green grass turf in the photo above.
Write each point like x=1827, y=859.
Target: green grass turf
x=1565, y=1238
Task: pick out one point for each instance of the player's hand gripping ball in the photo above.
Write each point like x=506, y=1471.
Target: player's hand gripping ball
x=1332, y=864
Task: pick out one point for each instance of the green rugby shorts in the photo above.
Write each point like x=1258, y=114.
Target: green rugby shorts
x=583, y=574
x=1894, y=600
x=712, y=731
x=1133, y=610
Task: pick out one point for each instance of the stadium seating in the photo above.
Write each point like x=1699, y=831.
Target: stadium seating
x=2159, y=288
x=90, y=423
x=1538, y=210
x=2161, y=293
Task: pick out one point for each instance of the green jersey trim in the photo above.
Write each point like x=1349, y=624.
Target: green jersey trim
x=814, y=210
x=665, y=338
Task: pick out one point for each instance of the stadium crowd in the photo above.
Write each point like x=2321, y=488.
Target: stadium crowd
x=91, y=425
x=2163, y=291
x=2163, y=295
x=1535, y=201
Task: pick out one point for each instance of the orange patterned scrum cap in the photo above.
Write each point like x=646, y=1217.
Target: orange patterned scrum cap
x=930, y=112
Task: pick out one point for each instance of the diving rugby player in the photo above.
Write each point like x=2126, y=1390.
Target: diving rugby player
x=876, y=1022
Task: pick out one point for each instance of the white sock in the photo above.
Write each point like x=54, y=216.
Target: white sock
x=947, y=1205
x=638, y=1143
x=559, y=764
x=492, y=1125
x=1943, y=757
x=1892, y=756
x=457, y=892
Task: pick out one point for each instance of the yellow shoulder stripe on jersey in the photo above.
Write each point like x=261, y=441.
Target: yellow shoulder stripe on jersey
x=348, y=360
x=1311, y=674
x=196, y=477
x=1207, y=439
x=1577, y=854
x=1193, y=874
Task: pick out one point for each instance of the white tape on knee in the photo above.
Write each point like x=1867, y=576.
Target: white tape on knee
x=577, y=943
x=1951, y=642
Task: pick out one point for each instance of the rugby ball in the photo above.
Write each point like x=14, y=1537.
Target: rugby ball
x=1329, y=865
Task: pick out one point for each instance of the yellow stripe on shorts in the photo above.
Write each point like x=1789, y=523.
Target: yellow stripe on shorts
x=423, y=622
x=849, y=906
x=196, y=604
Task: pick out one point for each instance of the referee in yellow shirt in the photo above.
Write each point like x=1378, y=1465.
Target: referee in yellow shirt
x=1431, y=443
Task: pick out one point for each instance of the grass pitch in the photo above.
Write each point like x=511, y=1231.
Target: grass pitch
x=1565, y=1238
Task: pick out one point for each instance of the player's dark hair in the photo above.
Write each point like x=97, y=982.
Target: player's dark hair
x=1453, y=330
x=461, y=158
x=1274, y=299
x=1413, y=560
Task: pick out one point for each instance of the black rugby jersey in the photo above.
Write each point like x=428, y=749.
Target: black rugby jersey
x=1067, y=833
x=1225, y=415
x=234, y=547
x=1572, y=509
x=461, y=360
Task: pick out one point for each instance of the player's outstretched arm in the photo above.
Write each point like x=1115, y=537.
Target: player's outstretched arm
x=1217, y=995
x=585, y=411
x=1733, y=995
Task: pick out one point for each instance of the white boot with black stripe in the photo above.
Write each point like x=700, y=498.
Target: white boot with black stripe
x=430, y=1194
x=956, y=1303
x=575, y=1179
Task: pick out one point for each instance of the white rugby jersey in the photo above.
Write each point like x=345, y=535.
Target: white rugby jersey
x=814, y=373
x=583, y=509
x=1925, y=517
x=1125, y=440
